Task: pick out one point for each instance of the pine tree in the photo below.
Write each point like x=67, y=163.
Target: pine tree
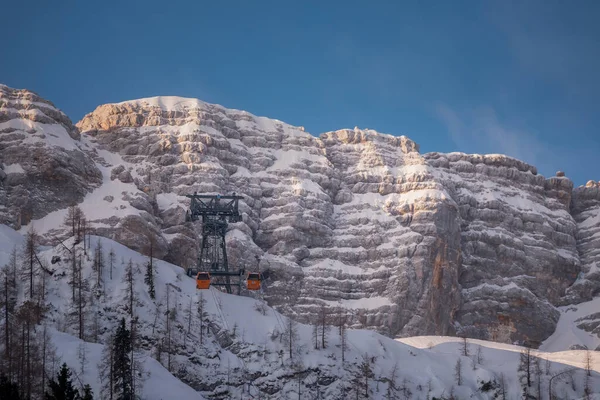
x=121, y=371
x=62, y=388
x=105, y=368
x=129, y=280
x=111, y=261
x=458, y=371
x=149, y=279
x=465, y=346
x=87, y=393
x=99, y=266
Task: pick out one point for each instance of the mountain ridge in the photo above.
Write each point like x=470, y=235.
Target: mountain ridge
x=351, y=216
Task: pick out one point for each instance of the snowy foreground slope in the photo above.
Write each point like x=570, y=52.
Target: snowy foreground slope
x=244, y=355
x=159, y=385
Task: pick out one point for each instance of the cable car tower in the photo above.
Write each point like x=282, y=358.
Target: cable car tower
x=216, y=211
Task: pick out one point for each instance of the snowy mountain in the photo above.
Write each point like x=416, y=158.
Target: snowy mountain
x=244, y=348
x=44, y=168
x=408, y=243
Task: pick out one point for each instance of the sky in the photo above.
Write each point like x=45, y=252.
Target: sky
x=519, y=78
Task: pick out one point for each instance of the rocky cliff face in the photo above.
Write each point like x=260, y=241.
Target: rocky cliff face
x=354, y=220
x=42, y=167
x=518, y=244
x=351, y=220
x=586, y=212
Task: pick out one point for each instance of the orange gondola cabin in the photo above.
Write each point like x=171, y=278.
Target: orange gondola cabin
x=203, y=280
x=253, y=281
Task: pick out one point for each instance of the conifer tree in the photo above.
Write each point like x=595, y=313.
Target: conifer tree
x=87, y=393
x=62, y=388
x=105, y=368
x=122, y=373
x=458, y=371
x=99, y=266
x=149, y=279
x=129, y=280
x=111, y=261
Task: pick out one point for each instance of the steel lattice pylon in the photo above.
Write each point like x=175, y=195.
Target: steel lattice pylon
x=216, y=211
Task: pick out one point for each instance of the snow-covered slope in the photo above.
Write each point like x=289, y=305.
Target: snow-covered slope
x=244, y=353
x=159, y=383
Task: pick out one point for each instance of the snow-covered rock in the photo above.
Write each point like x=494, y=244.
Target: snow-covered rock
x=518, y=244
x=354, y=219
x=42, y=166
x=350, y=218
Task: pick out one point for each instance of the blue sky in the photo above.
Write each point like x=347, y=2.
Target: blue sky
x=519, y=78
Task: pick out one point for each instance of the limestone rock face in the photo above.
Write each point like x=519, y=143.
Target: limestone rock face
x=354, y=220
x=351, y=220
x=586, y=212
x=43, y=166
x=519, y=253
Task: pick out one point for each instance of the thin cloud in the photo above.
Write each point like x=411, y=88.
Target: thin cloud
x=480, y=131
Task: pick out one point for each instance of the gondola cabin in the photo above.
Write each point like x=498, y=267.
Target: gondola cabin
x=253, y=281
x=203, y=280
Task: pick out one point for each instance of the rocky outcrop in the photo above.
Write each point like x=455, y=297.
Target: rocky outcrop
x=585, y=208
x=42, y=168
x=519, y=252
x=394, y=244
